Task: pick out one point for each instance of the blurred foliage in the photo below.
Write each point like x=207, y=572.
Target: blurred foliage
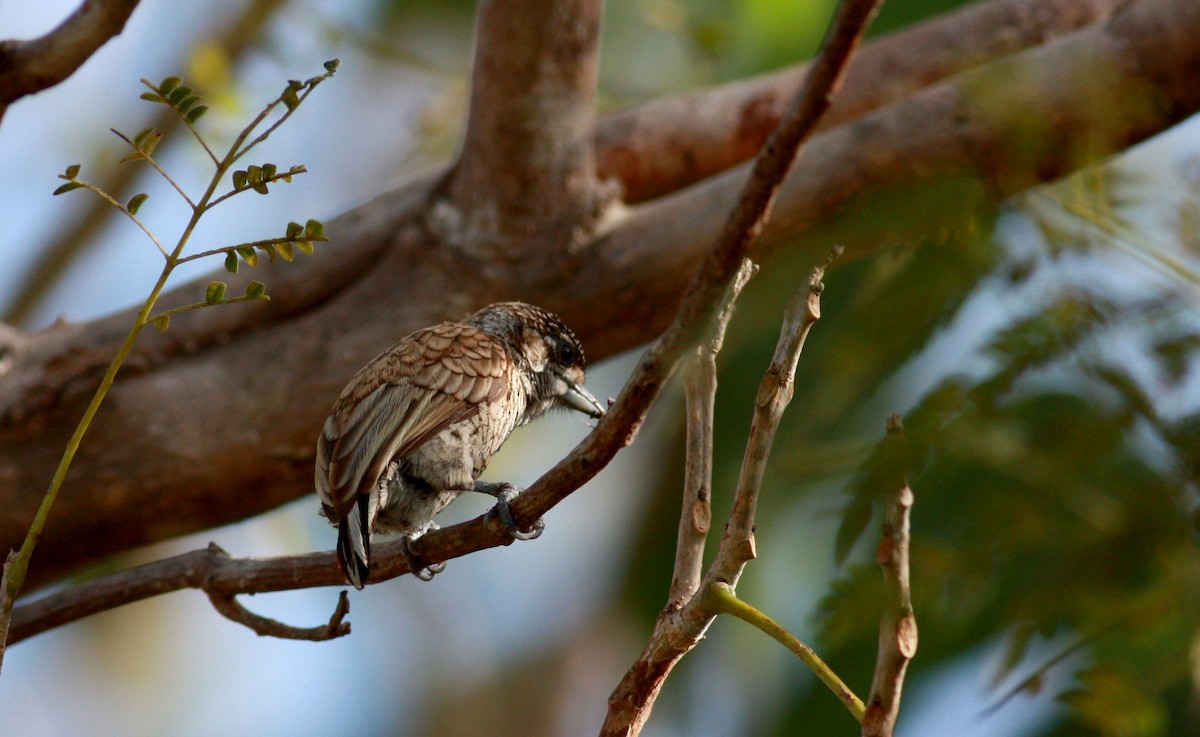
x=1055, y=476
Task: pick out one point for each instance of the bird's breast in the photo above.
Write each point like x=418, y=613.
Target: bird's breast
x=457, y=455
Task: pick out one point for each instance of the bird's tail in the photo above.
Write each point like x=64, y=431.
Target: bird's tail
x=354, y=543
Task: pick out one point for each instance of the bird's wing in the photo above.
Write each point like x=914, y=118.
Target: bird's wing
x=433, y=378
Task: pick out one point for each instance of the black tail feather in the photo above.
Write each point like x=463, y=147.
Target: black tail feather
x=354, y=544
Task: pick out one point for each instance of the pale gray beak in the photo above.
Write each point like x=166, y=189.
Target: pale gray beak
x=577, y=397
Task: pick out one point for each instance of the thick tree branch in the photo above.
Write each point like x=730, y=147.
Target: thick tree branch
x=177, y=451
x=31, y=66
x=525, y=181
x=664, y=145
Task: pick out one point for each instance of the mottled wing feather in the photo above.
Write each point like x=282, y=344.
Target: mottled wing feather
x=404, y=397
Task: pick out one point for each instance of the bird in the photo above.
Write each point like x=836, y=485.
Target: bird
x=416, y=426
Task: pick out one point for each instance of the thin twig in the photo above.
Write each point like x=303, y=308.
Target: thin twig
x=149, y=158
x=679, y=628
x=124, y=211
x=898, y=626
x=227, y=605
x=720, y=597
x=699, y=376
x=774, y=394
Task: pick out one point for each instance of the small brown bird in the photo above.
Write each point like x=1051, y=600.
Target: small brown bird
x=417, y=425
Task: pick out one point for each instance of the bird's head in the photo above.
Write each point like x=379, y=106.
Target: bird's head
x=549, y=352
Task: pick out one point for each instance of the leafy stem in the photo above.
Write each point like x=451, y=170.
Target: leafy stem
x=183, y=100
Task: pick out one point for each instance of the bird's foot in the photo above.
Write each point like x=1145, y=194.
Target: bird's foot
x=416, y=565
x=502, y=515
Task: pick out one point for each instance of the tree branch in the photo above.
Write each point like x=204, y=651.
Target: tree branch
x=699, y=376
x=676, y=631
x=227, y=605
x=680, y=626
x=898, y=626
x=529, y=134
x=663, y=145
x=31, y=66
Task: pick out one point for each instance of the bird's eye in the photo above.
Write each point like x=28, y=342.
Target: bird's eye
x=565, y=353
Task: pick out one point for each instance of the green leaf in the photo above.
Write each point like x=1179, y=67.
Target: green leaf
x=247, y=253
x=240, y=180
x=152, y=143
x=196, y=113
x=305, y=246
x=261, y=188
x=254, y=174
x=231, y=262
x=161, y=323
x=72, y=171
x=142, y=135
x=135, y=202
x=268, y=171
x=285, y=251
x=315, y=230
x=179, y=94
x=294, y=229
x=270, y=251
x=186, y=103
x=151, y=96
x=67, y=187
x=215, y=292
x=291, y=99
x=332, y=65
x=256, y=290
x=169, y=84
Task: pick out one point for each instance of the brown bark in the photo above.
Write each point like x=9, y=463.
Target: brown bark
x=214, y=420
x=31, y=66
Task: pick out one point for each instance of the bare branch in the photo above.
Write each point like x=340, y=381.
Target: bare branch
x=529, y=131
x=702, y=296
x=774, y=394
x=227, y=604
x=677, y=632
x=34, y=65
x=720, y=597
x=699, y=376
x=898, y=626
x=666, y=144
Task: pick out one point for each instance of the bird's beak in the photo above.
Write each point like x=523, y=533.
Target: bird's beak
x=577, y=397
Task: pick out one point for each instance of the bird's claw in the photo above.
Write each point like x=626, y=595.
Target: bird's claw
x=502, y=514
x=416, y=566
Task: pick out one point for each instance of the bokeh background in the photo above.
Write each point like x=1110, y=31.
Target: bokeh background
x=1043, y=355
